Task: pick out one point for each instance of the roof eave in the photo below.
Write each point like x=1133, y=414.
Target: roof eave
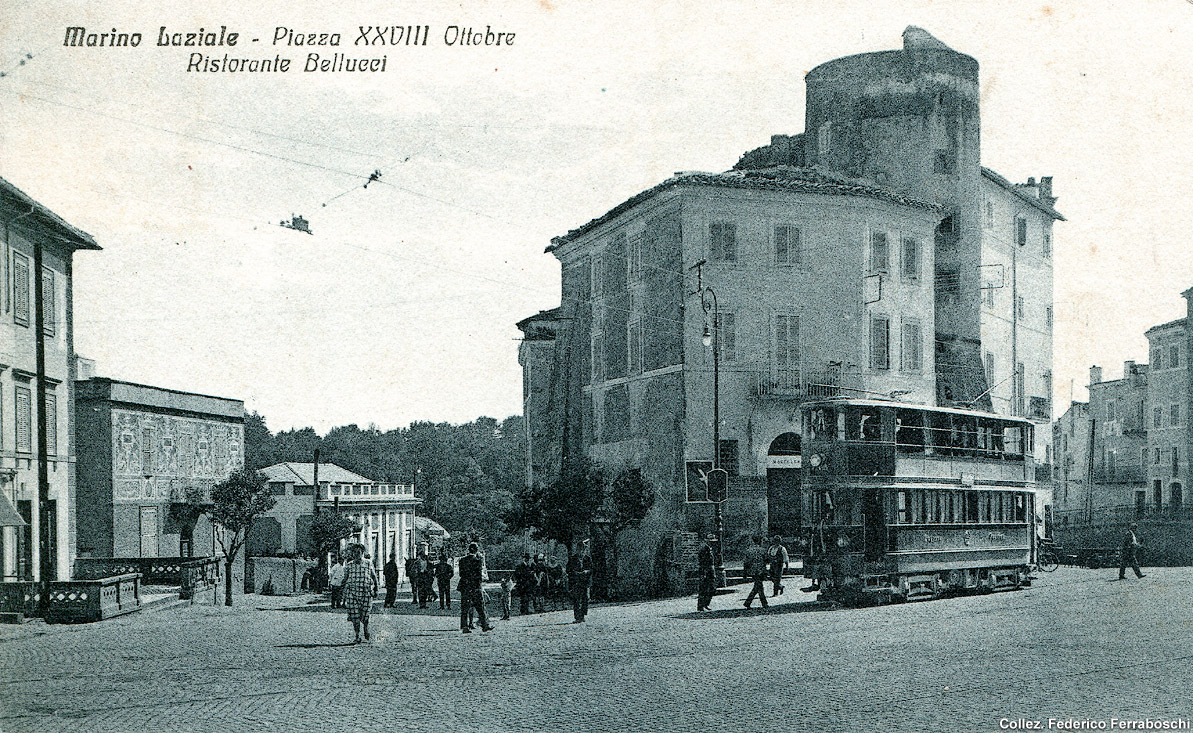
x=1006, y=184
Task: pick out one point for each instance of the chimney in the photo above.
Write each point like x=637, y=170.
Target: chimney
x=1095, y=375
x=1046, y=190
x=1129, y=371
x=1030, y=188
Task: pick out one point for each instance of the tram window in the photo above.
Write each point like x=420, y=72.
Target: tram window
x=823, y=423
x=1020, y=508
x=940, y=432
x=909, y=431
x=1013, y=441
x=901, y=507
x=917, y=507
x=971, y=506
x=934, y=516
x=966, y=431
x=1000, y=507
x=985, y=507
x=863, y=423
x=958, y=506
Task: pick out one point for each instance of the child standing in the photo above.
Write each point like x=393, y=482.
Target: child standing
x=507, y=597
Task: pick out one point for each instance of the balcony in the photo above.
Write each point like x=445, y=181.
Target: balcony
x=805, y=384
x=365, y=492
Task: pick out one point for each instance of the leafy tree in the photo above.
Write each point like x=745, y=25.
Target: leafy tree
x=565, y=508
x=260, y=449
x=630, y=498
x=235, y=503
x=327, y=529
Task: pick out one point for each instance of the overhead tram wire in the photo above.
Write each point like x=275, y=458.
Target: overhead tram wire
x=330, y=169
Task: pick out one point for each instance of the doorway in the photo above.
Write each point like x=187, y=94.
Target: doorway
x=783, y=483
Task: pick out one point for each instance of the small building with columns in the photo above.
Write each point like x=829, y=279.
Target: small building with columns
x=385, y=512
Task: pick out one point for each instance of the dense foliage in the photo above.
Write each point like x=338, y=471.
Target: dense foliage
x=470, y=476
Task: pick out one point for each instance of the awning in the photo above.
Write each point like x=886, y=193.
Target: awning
x=8, y=515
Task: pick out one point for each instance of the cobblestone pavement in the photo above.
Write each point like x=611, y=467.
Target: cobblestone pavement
x=1076, y=645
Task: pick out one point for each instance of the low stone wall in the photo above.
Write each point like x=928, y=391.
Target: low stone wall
x=283, y=573
x=1164, y=542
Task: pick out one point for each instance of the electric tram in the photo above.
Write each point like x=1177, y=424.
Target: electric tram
x=903, y=502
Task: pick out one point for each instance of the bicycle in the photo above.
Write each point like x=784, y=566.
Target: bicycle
x=1047, y=557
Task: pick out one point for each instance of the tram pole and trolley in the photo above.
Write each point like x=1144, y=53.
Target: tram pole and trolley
x=718, y=478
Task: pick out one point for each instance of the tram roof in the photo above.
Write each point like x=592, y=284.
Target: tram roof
x=909, y=406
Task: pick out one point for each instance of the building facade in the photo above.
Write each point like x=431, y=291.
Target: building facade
x=1125, y=456
x=385, y=513
x=30, y=233
x=1167, y=417
x=851, y=260
x=141, y=451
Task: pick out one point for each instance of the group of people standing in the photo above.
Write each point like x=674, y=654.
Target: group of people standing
x=541, y=580
x=424, y=575
x=354, y=584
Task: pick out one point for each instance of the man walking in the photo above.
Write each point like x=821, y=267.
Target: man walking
x=471, y=598
x=335, y=580
x=755, y=569
x=706, y=561
x=443, y=576
x=1130, y=557
x=579, y=570
x=391, y=580
x=779, y=560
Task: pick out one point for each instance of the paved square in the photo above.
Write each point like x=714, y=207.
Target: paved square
x=1076, y=645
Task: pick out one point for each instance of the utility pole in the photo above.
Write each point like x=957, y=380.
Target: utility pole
x=44, y=516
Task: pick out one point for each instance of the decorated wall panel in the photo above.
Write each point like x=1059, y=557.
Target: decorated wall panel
x=156, y=457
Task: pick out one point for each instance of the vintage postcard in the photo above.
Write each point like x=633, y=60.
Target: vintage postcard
x=554, y=366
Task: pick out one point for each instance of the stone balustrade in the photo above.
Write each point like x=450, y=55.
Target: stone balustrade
x=82, y=601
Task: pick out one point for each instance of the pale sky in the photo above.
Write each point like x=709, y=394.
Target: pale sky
x=402, y=305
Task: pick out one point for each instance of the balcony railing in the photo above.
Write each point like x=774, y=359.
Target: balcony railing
x=365, y=492
x=806, y=384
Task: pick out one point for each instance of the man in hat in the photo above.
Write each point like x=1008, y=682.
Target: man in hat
x=524, y=582
x=755, y=570
x=706, y=562
x=579, y=571
x=471, y=598
x=391, y=580
x=1130, y=556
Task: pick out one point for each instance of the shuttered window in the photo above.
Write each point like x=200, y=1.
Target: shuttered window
x=20, y=288
x=912, y=351
x=722, y=241
x=880, y=254
x=787, y=245
x=786, y=341
x=49, y=302
x=880, y=342
x=51, y=425
x=24, y=420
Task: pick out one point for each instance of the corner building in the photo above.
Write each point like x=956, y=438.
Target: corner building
x=853, y=260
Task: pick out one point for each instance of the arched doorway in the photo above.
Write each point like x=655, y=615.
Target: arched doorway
x=782, y=486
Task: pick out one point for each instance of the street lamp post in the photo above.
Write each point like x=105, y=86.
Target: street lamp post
x=712, y=339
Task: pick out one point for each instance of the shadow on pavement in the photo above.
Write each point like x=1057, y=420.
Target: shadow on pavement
x=314, y=646
x=774, y=609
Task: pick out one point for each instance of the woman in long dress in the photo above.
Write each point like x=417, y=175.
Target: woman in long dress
x=360, y=588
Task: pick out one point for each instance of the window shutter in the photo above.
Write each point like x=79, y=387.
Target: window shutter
x=20, y=288
x=49, y=302
x=24, y=417
x=880, y=343
x=51, y=425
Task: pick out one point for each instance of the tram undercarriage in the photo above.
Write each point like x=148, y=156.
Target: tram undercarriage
x=878, y=589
